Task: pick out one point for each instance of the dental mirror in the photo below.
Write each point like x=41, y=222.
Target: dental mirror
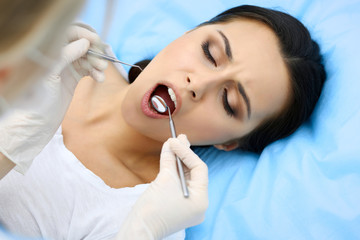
x=159, y=104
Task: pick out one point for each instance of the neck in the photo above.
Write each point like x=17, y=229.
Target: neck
x=94, y=121
x=124, y=142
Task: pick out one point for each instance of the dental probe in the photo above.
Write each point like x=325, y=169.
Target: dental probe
x=111, y=59
x=160, y=105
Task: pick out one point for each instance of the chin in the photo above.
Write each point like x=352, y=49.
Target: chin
x=143, y=125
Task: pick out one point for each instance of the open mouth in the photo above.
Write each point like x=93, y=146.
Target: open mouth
x=168, y=95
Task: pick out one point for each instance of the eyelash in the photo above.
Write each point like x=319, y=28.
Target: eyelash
x=226, y=104
x=227, y=107
x=205, y=47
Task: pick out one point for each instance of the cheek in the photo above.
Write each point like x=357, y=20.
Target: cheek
x=180, y=54
x=129, y=108
x=202, y=128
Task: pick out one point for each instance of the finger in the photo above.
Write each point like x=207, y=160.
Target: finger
x=183, y=151
x=97, y=63
x=198, y=169
x=70, y=53
x=78, y=71
x=97, y=75
x=83, y=25
x=75, y=50
x=84, y=65
x=77, y=32
x=183, y=139
x=167, y=158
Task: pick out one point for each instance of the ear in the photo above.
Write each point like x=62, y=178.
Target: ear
x=227, y=146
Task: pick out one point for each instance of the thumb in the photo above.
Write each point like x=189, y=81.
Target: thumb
x=70, y=53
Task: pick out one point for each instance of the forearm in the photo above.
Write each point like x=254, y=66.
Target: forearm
x=5, y=165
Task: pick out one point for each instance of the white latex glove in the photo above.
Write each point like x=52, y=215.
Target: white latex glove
x=162, y=209
x=82, y=65
x=32, y=121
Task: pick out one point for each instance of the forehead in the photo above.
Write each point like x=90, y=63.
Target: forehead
x=258, y=64
x=253, y=45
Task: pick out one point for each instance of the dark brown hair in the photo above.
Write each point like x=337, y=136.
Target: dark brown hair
x=305, y=67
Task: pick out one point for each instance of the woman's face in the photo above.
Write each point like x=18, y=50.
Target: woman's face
x=227, y=79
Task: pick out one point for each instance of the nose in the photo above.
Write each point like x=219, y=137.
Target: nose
x=199, y=86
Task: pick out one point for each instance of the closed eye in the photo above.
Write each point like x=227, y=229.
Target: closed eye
x=226, y=104
x=205, y=47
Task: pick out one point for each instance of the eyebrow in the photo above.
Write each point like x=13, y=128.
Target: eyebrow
x=227, y=45
x=239, y=85
x=245, y=97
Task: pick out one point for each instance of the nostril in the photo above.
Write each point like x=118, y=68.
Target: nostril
x=188, y=79
x=193, y=94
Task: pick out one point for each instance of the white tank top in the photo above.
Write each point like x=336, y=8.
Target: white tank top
x=59, y=198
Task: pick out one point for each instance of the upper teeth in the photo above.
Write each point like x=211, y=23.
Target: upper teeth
x=172, y=95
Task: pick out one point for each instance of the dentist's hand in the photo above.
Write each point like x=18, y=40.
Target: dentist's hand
x=75, y=63
x=162, y=209
x=32, y=121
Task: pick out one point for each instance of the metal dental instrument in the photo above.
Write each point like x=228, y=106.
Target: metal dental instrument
x=160, y=105
x=111, y=59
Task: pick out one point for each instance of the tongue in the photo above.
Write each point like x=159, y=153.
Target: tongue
x=162, y=91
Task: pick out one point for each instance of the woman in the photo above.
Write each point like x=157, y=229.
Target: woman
x=256, y=71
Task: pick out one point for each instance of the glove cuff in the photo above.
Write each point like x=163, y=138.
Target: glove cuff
x=20, y=167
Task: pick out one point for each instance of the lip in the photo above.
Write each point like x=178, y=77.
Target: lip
x=148, y=111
